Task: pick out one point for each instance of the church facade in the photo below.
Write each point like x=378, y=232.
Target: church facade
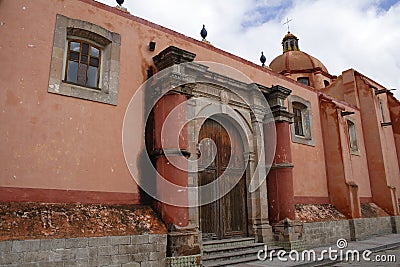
x=103, y=107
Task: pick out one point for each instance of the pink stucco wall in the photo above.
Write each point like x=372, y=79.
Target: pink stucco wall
x=50, y=141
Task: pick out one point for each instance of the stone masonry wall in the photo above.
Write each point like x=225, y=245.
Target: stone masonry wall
x=396, y=224
x=367, y=227
x=135, y=250
x=326, y=233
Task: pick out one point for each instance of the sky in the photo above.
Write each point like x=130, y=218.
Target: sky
x=343, y=34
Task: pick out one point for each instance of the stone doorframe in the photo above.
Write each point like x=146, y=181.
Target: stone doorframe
x=246, y=124
x=249, y=119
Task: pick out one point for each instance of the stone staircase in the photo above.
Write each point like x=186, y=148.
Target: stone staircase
x=229, y=252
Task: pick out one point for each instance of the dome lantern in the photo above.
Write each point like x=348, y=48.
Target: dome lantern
x=290, y=43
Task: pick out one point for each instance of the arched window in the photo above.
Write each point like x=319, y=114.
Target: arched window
x=326, y=83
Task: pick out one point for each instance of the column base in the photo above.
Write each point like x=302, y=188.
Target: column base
x=183, y=242
x=263, y=232
x=289, y=235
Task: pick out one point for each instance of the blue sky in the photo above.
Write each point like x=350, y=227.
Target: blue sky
x=263, y=12
x=343, y=34
x=387, y=4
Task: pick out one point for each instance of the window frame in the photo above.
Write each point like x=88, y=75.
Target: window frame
x=352, y=138
x=298, y=120
x=301, y=79
x=110, y=43
x=90, y=44
x=296, y=102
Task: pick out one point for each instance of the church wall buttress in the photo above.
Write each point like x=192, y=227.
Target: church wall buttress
x=343, y=191
x=379, y=144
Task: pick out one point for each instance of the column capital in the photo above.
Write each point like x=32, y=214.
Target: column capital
x=172, y=55
x=276, y=96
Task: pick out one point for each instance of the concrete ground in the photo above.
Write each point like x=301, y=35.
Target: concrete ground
x=381, y=248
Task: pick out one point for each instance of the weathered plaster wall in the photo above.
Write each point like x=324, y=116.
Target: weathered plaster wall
x=394, y=108
x=309, y=161
x=51, y=141
x=359, y=162
x=380, y=145
x=56, y=142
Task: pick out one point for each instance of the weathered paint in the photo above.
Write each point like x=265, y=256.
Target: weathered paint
x=55, y=142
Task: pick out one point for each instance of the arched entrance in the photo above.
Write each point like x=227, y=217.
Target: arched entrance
x=227, y=216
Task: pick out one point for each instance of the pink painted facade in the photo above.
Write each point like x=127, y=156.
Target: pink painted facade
x=58, y=148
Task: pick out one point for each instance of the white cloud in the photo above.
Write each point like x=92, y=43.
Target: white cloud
x=359, y=34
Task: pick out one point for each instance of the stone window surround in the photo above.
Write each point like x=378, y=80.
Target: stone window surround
x=355, y=152
x=109, y=69
x=307, y=139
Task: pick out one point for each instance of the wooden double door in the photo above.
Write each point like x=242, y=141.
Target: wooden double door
x=225, y=217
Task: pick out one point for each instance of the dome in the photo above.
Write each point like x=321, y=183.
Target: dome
x=293, y=59
x=296, y=61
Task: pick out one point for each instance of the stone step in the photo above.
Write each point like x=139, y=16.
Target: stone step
x=230, y=261
x=233, y=254
x=216, y=243
x=224, y=249
x=231, y=251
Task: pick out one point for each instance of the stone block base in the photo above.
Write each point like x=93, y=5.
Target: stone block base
x=183, y=261
x=363, y=228
x=395, y=224
x=263, y=233
x=298, y=245
x=134, y=250
x=183, y=242
x=326, y=233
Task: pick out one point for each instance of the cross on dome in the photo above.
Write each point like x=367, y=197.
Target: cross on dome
x=287, y=23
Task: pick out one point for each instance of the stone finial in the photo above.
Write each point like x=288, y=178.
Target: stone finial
x=263, y=59
x=203, y=33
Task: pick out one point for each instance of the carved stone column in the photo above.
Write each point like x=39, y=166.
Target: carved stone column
x=183, y=239
x=287, y=233
x=261, y=226
x=280, y=178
